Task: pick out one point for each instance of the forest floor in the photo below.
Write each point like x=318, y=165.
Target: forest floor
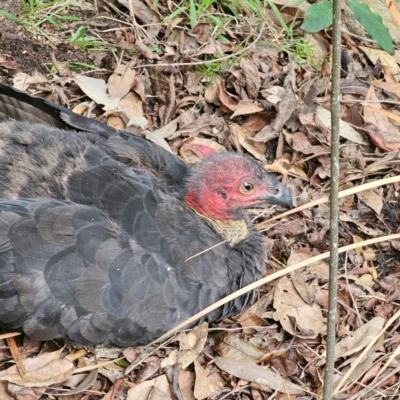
x=230, y=75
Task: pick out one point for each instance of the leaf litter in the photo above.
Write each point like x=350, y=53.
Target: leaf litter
x=247, y=89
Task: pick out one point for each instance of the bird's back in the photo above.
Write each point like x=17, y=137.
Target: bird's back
x=68, y=270
x=46, y=118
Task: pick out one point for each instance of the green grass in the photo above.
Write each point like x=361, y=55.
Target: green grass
x=74, y=66
x=36, y=12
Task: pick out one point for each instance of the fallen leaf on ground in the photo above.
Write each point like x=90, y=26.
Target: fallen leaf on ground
x=251, y=372
x=208, y=381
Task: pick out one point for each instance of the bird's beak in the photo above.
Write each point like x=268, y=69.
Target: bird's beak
x=281, y=197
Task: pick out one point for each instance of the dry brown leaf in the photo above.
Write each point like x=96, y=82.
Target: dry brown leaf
x=205, y=124
x=143, y=390
x=296, y=316
x=170, y=97
x=346, y=130
x=228, y=345
x=246, y=109
x=158, y=394
x=287, y=107
x=257, y=121
x=145, y=51
x=386, y=113
x=54, y=372
x=245, y=137
x=281, y=166
x=211, y=92
x=391, y=87
x=32, y=364
x=358, y=339
x=186, y=380
x=196, y=338
x=376, y=55
x=385, y=135
x=361, y=225
x=251, y=77
x=251, y=318
x=116, y=122
x=191, y=154
x=207, y=382
x=251, y=372
x=152, y=366
x=371, y=199
x=131, y=107
x=121, y=81
x=273, y=94
x=96, y=89
x=7, y=61
x=146, y=14
x=300, y=142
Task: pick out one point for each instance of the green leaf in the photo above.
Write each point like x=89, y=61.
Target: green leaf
x=223, y=39
x=78, y=35
x=318, y=17
x=293, y=3
x=68, y=18
x=192, y=13
x=175, y=13
x=11, y=16
x=373, y=24
x=278, y=15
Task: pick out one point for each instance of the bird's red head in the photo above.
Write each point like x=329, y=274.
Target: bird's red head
x=225, y=183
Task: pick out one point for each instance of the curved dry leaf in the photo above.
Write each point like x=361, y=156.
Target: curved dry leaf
x=295, y=315
x=143, y=390
x=358, y=339
x=245, y=137
x=186, y=381
x=379, y=127
x=371, y=199
x=145, y=51
x=228, y=345
x=361, y=225
x=246, y=109
x=251, y=372
x=346, y=130
x=251, y=77
x=384, y=58
x=152, y=366
x=191, y=155
x=121, y=81
x=273, y=94
x=32, y=364
x=207, y=382
x=86, y=383
x=158, y=394
x=96, y=89
x=55, y=371
x=284, y=168
x=196, y=338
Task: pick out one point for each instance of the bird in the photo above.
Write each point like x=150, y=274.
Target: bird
x=119, y=250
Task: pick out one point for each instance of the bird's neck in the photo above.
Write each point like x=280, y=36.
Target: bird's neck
x=230, y=224
x=233, y=231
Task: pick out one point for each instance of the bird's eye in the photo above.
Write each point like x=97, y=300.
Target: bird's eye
x=246, y=187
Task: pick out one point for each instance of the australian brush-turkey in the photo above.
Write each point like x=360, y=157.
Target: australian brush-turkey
x=115, y=253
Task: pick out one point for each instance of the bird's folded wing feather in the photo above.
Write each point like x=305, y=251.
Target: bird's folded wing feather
x=70, y=270
x=130, y=149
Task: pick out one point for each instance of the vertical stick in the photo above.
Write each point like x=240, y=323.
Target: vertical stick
x=334, y=217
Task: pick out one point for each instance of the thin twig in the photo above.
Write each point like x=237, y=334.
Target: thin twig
x=334, y=214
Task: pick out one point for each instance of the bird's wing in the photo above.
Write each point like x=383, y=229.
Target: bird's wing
x=130, y=149
x=68, y=270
